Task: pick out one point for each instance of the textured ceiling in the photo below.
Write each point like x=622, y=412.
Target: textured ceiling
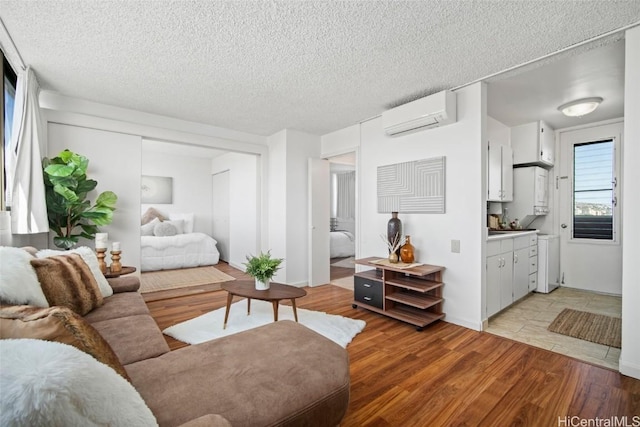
x=313, y=66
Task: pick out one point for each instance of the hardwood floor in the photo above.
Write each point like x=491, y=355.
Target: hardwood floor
x=446, y=375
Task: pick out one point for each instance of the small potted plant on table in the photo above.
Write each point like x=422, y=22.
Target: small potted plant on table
x=262, y=268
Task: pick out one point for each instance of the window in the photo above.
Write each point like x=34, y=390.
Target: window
x=594, y=197
x=9, y=81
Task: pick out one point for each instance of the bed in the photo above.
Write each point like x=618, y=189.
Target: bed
x=179, y=251
x=342, y=244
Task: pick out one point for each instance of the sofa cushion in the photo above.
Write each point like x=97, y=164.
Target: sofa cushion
x=90, y=258
x=119, y=305
x=54, y=384
x=66, y=280
x=58, y=324
x=279, y=374
x=18, y=281
x=133, y=338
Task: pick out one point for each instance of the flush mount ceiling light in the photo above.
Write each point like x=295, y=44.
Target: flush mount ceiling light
x=580, y=107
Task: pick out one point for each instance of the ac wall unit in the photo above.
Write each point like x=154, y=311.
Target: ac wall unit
x=431, y=111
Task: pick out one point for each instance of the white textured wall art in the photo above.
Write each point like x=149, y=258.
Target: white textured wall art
x=412, y=187
x=156, y=189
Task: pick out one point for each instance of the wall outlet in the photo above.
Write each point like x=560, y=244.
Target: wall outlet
x=455, y=246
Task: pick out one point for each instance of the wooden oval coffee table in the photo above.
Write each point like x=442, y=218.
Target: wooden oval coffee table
x=275, y=293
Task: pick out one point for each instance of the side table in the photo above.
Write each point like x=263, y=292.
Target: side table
x=125, y=270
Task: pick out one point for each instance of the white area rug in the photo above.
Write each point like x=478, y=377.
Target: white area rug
x=346, y=263
x=209, y=326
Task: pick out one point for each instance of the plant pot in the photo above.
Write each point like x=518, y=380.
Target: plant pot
x=262, y=286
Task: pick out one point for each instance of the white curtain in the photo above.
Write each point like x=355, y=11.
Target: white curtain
x=346, y=183
x=28, y=205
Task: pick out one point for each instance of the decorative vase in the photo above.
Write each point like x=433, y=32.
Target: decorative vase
x=262, y=286
x=393, y=258
x=394, y=228
x=406, y=251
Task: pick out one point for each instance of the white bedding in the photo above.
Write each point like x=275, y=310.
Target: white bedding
x=342, y=244
x=179, y=251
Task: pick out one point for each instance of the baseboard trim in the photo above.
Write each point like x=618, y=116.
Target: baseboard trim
x=629, y=369
x=476, y=326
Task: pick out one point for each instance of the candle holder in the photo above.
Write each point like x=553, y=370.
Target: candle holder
x=101, y=253
x=115, y=267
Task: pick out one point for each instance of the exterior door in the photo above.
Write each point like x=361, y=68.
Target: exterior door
x=319, y=207
x=220, y=214
x=588, y=191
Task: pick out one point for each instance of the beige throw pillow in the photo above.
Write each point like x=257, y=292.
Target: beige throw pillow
x=66, y=280
x=58, y=324
x=150, y=214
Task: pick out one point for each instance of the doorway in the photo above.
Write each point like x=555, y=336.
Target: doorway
x=588, y=208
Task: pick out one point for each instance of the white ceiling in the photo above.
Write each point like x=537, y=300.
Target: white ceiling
x=314, y=66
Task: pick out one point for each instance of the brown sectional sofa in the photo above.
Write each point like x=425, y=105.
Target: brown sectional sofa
x=281, y=374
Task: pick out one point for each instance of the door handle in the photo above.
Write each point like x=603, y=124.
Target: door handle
x=563, y=225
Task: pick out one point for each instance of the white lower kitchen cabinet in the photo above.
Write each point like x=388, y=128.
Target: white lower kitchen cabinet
x=512, y=262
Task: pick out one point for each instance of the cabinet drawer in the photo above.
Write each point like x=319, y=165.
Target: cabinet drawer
x=533, y=282
x=533, y=264
x=520, y=242
x=367, y=291
x=533, y=239
x=533, y=250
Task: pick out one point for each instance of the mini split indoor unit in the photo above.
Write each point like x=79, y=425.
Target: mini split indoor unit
x=431, y=111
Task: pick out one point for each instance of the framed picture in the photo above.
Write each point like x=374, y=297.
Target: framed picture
x=156, y=189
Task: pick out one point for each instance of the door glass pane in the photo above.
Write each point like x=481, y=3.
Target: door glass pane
x=593, y=190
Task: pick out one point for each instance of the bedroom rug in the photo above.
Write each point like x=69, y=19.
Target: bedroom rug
x=592, y=327
x=209, y=326
x=152, y=281
x=343, y=282
x=346, y=263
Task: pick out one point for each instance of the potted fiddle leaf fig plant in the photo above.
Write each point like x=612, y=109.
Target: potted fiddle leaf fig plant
x=262, y=268
x=71, y=214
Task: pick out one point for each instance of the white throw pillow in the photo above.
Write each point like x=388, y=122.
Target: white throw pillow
x=164, y=229
x=55, y=384
x=147, y=229
x=18, y=280
x=90, y=258
x=178, y=224
x=186, y=217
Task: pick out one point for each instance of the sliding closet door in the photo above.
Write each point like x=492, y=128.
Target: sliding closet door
x=220, y=213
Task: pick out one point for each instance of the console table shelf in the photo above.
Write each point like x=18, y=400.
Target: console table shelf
x=412, y=295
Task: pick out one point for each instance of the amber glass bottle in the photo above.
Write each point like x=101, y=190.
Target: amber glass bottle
x=406, y=251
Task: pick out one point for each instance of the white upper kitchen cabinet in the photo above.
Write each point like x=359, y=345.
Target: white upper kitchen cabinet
x=533, y=144
x=500, y=185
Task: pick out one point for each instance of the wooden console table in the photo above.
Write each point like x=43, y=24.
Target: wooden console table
x=412, y=295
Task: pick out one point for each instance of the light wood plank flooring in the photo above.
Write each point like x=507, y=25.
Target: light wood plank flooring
x=445, y=375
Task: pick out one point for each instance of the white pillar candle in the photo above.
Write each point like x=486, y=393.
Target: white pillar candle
x=115, y=246
x=101, y=240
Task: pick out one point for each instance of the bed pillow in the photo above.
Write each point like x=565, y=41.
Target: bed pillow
x=67, y=281
x=58, y=324
x=49, y=383
x=18, y=281
x=90, y=258
x=150, y=214
x=186, y=217
x=178, y=224
x=147, y=229
x=164, y=229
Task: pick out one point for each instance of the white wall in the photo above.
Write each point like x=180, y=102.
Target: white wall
x=114, y=161
x=464, y=146
x=630, y=355
x=244, y=203
x=191, y=186
x=288, y=202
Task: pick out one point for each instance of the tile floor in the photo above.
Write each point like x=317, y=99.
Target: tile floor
x=527, y=320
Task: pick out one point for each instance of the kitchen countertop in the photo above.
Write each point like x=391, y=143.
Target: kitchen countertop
x=510, y=234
